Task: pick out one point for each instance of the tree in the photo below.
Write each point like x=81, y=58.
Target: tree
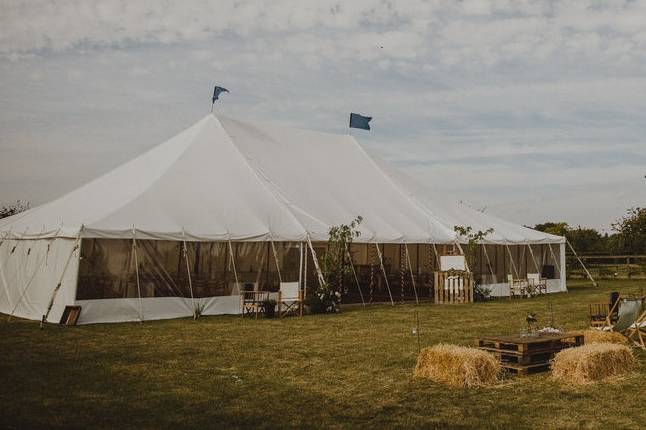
x=631, y=231
x=334, y=266
x=557, y=228
x=466, y=232
x=13, y=208
x=583, y=239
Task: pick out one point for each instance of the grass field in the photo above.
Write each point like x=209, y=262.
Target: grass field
x=352, y=369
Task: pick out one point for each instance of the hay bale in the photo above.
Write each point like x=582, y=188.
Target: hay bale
x=593, y=362
x=458, y=366
x=598, y=336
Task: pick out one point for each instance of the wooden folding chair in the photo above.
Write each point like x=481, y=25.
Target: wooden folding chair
x=636, y=333
x=627, y=317
x=290, y=299
x=251, y=301
x=517, y=287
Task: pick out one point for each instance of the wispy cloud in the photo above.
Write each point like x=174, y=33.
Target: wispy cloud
x=509, y=99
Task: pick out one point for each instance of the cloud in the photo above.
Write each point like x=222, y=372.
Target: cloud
x=509, y=97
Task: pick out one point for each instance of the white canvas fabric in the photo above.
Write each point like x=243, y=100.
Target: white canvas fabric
x=29, y=273
x=227, y=179
x=223, y=179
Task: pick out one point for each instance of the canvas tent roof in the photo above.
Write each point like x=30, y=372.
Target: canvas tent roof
x=224, y=179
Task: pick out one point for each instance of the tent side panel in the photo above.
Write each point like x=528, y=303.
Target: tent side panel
x=29, y=273
x=561, y=256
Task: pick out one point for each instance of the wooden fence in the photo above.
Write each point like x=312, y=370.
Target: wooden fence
x=608, y=266
x=453, y=287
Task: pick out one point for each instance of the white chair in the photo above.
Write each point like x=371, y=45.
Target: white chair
x=535, y=284
x=290, y=299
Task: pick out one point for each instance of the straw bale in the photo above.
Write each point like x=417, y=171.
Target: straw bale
x=457, y=366
x=592, y=362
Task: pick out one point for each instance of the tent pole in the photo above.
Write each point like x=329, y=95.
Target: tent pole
x=466, y=262
x=556, y=263
x=316, y=262
x=60, y=280
x=300, y=265
x=188, y=273
x=134, y=250
x=273, y=248
x=511, y=258
x=412, y=277
x=594, y=283
x=383, y=269
x=534, y=259
x=493, y=275
x=233, y=265
x=355, y=274
x=305, y=272
x=437, y=256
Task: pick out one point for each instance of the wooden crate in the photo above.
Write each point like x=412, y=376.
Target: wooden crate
x=70, y=315
x=453, y=287
x=522, y=355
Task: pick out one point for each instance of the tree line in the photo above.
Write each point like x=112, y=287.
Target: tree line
x=628, y=235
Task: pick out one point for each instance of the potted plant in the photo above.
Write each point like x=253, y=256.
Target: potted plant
x=334, y=264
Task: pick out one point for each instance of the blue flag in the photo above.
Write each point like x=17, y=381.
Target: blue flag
x=360, y=121
x=216, y=93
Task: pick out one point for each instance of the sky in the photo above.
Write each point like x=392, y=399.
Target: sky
x=531, y=110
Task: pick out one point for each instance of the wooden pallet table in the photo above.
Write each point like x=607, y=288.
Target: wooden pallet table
x=528, y=354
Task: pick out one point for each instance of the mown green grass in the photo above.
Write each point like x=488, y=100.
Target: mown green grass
x=352, y=369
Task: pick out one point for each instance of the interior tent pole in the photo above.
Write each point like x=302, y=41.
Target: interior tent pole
x=412, y=277
x=134, y=253
x=354, y=272
x=534, y=259
x=319, y=274
x=305, y=272
x=594, y=283
x=466, y=263
x=383, y=269
x=60, y=280
x=300, y=265
x=437, y=256
x=556, y=262
x=188, y=273
x=233, y=265
x=493, y=275
x=511, y=258
x=273, y=248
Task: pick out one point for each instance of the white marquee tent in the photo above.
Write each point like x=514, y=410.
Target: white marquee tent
x=223, y=182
